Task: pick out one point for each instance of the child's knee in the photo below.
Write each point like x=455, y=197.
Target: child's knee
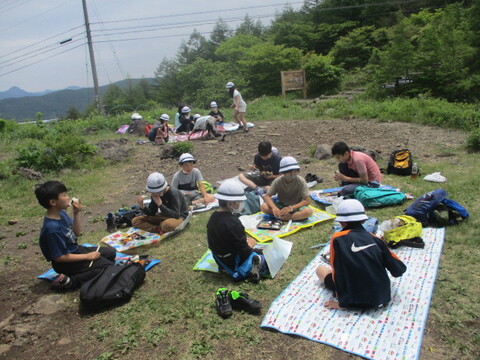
x=322, y=272
x=137, y=220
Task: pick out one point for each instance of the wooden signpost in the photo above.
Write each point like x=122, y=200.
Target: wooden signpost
x=294, y=80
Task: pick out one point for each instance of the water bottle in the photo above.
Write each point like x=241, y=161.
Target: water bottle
x=414, y=171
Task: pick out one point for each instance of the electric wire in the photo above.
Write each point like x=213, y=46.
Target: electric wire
x=9, y=27
x=36, y=62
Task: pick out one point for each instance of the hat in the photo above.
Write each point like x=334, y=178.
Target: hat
x=136, y=116
x=213, y=104
x=196, y=116
x=185, y=110
x=156, y=183
x=351, y=210
x=288, y=163
x=165, y=117
x=230, y=85
x=186, y=157
x=230, y=191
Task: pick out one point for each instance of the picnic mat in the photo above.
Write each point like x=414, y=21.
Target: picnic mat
x=276, y=253
x=131, y=238
x=394, y=332
x=119, y=257
x=263, y=235
x=326, y=196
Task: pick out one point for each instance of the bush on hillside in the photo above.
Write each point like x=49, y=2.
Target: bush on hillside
x=473, y=141
x=180, y=148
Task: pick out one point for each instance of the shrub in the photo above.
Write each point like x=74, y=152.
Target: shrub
x=180, y=148
x=473, y=141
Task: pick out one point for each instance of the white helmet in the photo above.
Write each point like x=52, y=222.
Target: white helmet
x=230, y=85
x=351, y=210
x=288, y=163
x=230, y=191
x=136, y=116
x=213, y=104
x=186, y=157
x=156, y=183
x=197, y=116
x=185, y=110
x=164, y=117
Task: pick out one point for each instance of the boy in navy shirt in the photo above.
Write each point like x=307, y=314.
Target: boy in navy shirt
x=58, y=239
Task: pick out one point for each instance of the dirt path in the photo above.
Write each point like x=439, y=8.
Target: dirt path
x=25, y=322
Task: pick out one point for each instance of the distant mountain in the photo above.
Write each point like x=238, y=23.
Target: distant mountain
x=51, y=104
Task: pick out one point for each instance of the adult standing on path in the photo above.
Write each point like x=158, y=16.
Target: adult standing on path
x=239, y=105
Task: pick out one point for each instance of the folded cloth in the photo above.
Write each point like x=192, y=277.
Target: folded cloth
x=435, y=177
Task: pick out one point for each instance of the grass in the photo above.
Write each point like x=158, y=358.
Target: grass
x=173, y=314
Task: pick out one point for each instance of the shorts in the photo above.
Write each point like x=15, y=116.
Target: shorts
x=281, y=205
x=258, y=179
x=242, y=107
x=329, y=283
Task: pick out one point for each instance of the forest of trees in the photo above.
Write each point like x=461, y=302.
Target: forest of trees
x=365, y=43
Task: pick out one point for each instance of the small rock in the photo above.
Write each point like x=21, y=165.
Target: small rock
x=64, y=341
x=49, y=305
x=322, y=152
x=12, y=222
x=233, y=153
x=4, y=348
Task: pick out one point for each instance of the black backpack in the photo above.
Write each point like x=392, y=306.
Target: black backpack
x=400, y=163
x=113, y=286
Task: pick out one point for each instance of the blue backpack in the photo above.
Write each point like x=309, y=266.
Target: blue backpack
x=376, y=197
x=433, y=208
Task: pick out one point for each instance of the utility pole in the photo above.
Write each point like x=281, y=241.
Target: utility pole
x=92, y=58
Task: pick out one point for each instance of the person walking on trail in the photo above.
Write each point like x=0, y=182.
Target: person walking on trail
x=239, y=105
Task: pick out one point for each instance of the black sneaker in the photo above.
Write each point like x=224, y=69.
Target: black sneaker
x=241, y=301
x=62, y=282
x=223, y=305
x=254, y=275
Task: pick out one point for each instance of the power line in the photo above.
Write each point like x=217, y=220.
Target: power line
x=63, y=33
x=36, y=62
x=15, y=5
x=34, y=53
x=33, y=17
x=199, y=13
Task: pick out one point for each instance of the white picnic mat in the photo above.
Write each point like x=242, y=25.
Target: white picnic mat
x=395, y=332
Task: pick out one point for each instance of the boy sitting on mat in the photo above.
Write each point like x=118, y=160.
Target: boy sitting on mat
x=267, y=163
x=75, y=263
x=226, y=236
x=358, y=260
x=167, y=208
x=292, y=191
x=189, y=182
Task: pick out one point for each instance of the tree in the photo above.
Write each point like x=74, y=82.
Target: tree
x=113, y=99
x=73, y=113
x=322, y=76
x=220, y=33
x=167, y=87
x=249, y=27
x=195, y=48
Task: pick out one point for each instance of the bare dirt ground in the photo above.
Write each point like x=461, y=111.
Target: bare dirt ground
x=30, y=312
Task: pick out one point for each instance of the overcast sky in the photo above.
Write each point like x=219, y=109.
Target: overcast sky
x=32, y=58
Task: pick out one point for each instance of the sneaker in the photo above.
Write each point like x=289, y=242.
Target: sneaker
x=254, y=275
x=223, y=305
x=62, y=282
x=241, y=301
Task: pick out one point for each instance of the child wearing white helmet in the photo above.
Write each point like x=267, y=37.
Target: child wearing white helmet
x=292, y=191
x=189, y=182
x=215, y=112
x=160, y=130
x=239, y=105
x=186, y=121
x=358, y=260
x=166, y=210
x=227, y=239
